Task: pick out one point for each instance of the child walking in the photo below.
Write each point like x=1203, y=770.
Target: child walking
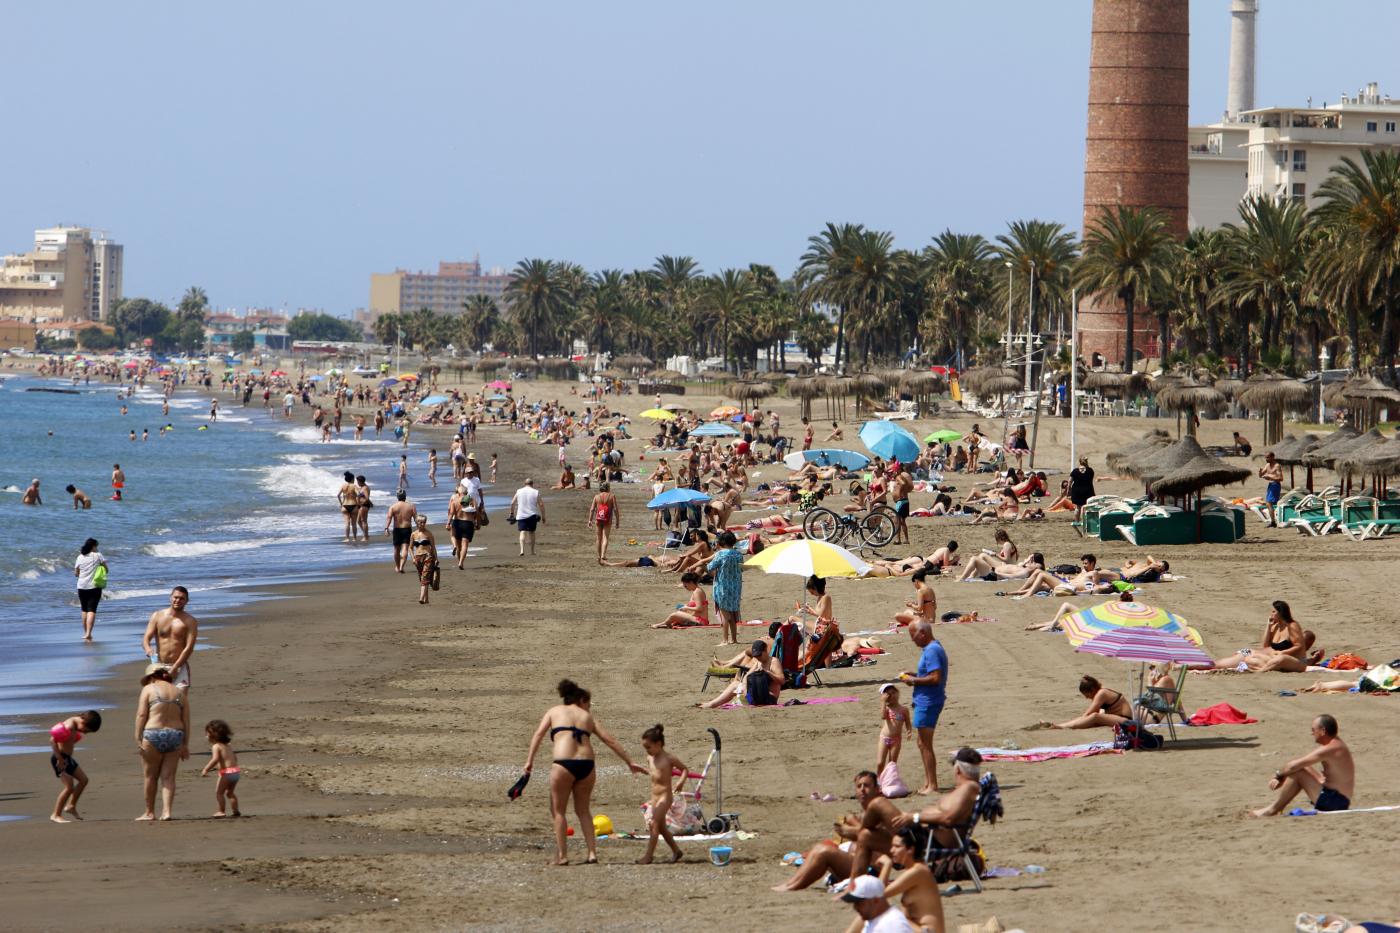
x=493, y=468
x=662, y=765
x=894, y=724
x=222, y=757
x=62, y=737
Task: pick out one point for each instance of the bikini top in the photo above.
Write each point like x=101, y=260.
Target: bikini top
x=157, y=698
x=579, y=734
x=1282, y=645
x=63, y=735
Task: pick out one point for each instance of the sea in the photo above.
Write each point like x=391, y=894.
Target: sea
x=229, y=509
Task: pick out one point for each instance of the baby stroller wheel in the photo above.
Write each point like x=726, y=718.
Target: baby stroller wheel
x=717, y=824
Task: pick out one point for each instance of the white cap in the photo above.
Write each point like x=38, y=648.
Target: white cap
x=864, y=888
x=884, y=687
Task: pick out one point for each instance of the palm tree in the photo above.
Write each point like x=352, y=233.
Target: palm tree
x=1129, y=252
x=822, y=270
x=536, y=296
x=1042, y=253
x=479, y=320
x=871, y=285
x=193, y=304
x=386, y=328
x=1266, y=266
x=1360, y=205
x=601, y=308
x=673, y=281
x=1202, y=271
x=958, y=274
x=729, y=299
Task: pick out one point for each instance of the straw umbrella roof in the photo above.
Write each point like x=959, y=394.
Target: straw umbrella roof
x=1348, y=458
x=523, y=363
x=1149, y=443
x=631, y=361
x=665, y=375
x=749, y=391
x=892, y=378
x=1187, y=395
x=975, y=379
x=804, y=387
x=868, y=384
x=1381, y=459
x=1290, y=450
x=921, y=382
x=1326, y=451
x=1197, y=473
x=557, y=364
x=1115, y=381
x=774, y=377
x=1274, y=392
x=1358, y=389
x=1000, y=385
x=840, y=386
x=1230, y=388
x=1155, y=464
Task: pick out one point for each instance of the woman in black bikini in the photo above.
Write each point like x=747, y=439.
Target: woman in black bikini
x=1106, y=708
x=570, y=726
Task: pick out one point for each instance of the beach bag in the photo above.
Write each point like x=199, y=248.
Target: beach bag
x=1381, y=678
x=891, y=784
x=758, y=689
x=99, y=577
x=436, y=578
x=683, y=819
x=1132, y=736
x=482, y=519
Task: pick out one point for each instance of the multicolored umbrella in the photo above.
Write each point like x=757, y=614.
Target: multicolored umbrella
x=806, y=558
x=498, y=384
x=725, y=411
x=1148, y=645
x=1090, y=623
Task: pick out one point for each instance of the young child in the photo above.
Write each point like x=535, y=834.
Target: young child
x=62, y=737
x=894, y=723
x=662, y=765
x=493, y=468
x=222, y=757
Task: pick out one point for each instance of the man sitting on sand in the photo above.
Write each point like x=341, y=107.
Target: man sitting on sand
x=1331, y=788
x=874, y=824
x=755, y=664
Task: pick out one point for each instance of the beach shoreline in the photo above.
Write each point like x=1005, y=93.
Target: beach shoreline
x=388, y=734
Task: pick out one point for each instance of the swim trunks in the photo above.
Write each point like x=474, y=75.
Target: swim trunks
x=926, y=717
x=901, y=508
x=401, y=536
x=1329, y=800
x=1273, y=493
x=527, y=524
x=70, y=768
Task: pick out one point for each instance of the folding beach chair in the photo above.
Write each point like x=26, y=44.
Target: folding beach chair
x=988, y=807
x=1154, y=701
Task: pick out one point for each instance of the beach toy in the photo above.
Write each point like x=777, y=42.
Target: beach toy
x=720, y=855
x=569, y=831
x=602, y=826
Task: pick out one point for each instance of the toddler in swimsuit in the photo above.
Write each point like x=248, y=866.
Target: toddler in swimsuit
x=222, y=757
x=62, y=737
x=894, y=723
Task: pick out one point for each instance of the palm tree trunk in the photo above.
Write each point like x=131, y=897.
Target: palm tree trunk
x=1129, y=301
x=1217, y=348
x=1163, y=338
x=1388, y=340
x=1354, y=336
x=840, y=338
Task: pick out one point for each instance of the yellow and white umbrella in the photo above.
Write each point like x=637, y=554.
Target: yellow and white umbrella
x=805, y=558
x=658, y=414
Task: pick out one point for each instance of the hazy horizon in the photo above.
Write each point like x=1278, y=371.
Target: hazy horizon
x=277, y=155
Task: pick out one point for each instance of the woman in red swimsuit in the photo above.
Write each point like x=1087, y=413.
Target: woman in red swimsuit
x=603, y=516
x=694, y=612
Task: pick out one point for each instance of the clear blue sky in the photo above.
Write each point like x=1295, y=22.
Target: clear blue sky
x=277, y=153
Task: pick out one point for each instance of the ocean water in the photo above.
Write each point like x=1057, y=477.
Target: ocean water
x=227, y=511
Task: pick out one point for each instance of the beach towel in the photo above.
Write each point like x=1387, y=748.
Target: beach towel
x=1346, y=662
x=815, y=701
x=1221, y=714
x=1303, y=811
x=1048, y=752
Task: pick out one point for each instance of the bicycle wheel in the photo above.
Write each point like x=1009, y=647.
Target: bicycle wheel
x=878, y=528
x=821, y=524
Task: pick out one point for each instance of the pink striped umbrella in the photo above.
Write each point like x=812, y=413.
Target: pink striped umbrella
x=1146, y=644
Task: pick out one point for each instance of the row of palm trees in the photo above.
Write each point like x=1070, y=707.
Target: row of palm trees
x=1277, y=287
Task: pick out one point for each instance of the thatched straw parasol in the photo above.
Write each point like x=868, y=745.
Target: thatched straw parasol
x=1197, y=473
x=921, y=382
x=1115, y=383
x=751, y=391
x=1274, y=394
x=773, y=377
x=664, y=375
x=1290, y=449
x=1347, y=458
x=975, y=380
x=1328, y=448
x=631, y=361
x=1186, y=396
x=1230, y=388
x=1154, y=464
x=804, y=388
x=557, y=364
x=1363, y=396
x=1148, y=444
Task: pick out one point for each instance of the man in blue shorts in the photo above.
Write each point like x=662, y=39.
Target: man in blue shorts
x=1272, y=473
x=930, y=685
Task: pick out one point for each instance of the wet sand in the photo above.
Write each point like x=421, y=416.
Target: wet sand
x=380, y=736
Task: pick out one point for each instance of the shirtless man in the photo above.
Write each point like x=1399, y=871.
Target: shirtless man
x=986, y=568
x=1272, y=473
x=901, y=486
x=31, y=495
x=170, y=637
x=877, y=827
x=81, y=500
x=954, y=808
x=400, y=517
x=118, y=482
x=923, y=606
x=1328, y=789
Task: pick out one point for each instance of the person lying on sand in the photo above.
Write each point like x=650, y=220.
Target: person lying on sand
x=1106, y=708
x=1090, y=579
x=1007, y=510
x=1332, y=686
x=982, y=567
x=940, y=560
x=1284, y=647
x=1330, y=788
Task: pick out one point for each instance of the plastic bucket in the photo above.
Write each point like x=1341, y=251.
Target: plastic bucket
x=720, y=855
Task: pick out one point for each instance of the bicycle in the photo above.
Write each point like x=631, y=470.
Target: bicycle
x=875, y=529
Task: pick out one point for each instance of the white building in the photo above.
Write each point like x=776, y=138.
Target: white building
x=1283, y=152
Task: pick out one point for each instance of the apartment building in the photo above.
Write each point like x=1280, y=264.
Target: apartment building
x=68, y=275
x=445, y=291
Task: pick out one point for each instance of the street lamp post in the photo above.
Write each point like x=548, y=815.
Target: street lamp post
x=1030, y=316
x=1008, y=308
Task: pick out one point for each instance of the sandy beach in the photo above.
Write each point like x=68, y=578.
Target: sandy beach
x=379, y=737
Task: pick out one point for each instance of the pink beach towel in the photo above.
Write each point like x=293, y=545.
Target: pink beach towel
x=815, y=701
x=1048, y=752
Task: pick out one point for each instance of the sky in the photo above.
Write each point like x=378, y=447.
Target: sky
x=276, y=154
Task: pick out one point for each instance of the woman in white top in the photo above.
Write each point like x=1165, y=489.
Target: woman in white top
x=89, y=591
x=527, y=511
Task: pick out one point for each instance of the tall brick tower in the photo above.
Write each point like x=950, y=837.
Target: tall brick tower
x=1135, y=148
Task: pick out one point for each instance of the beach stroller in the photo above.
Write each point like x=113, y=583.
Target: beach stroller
x=687, y=816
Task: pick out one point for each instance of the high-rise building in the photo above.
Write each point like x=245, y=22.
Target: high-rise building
x=66, y=276
x=444, y=292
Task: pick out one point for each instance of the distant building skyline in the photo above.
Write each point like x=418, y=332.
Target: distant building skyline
x=444, y=291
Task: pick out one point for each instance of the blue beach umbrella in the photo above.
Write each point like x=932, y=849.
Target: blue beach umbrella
x=845, y=459
x=714, y=429
x=888, y=440
x=435, y=400
x=385, y=383
x=316, y=379
x=672, y=498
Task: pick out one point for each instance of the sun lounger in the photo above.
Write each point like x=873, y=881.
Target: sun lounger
x=1369, y=524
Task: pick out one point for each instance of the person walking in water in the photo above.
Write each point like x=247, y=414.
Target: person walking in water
x=86, y=569
x=118, y=482
x=400, y=516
